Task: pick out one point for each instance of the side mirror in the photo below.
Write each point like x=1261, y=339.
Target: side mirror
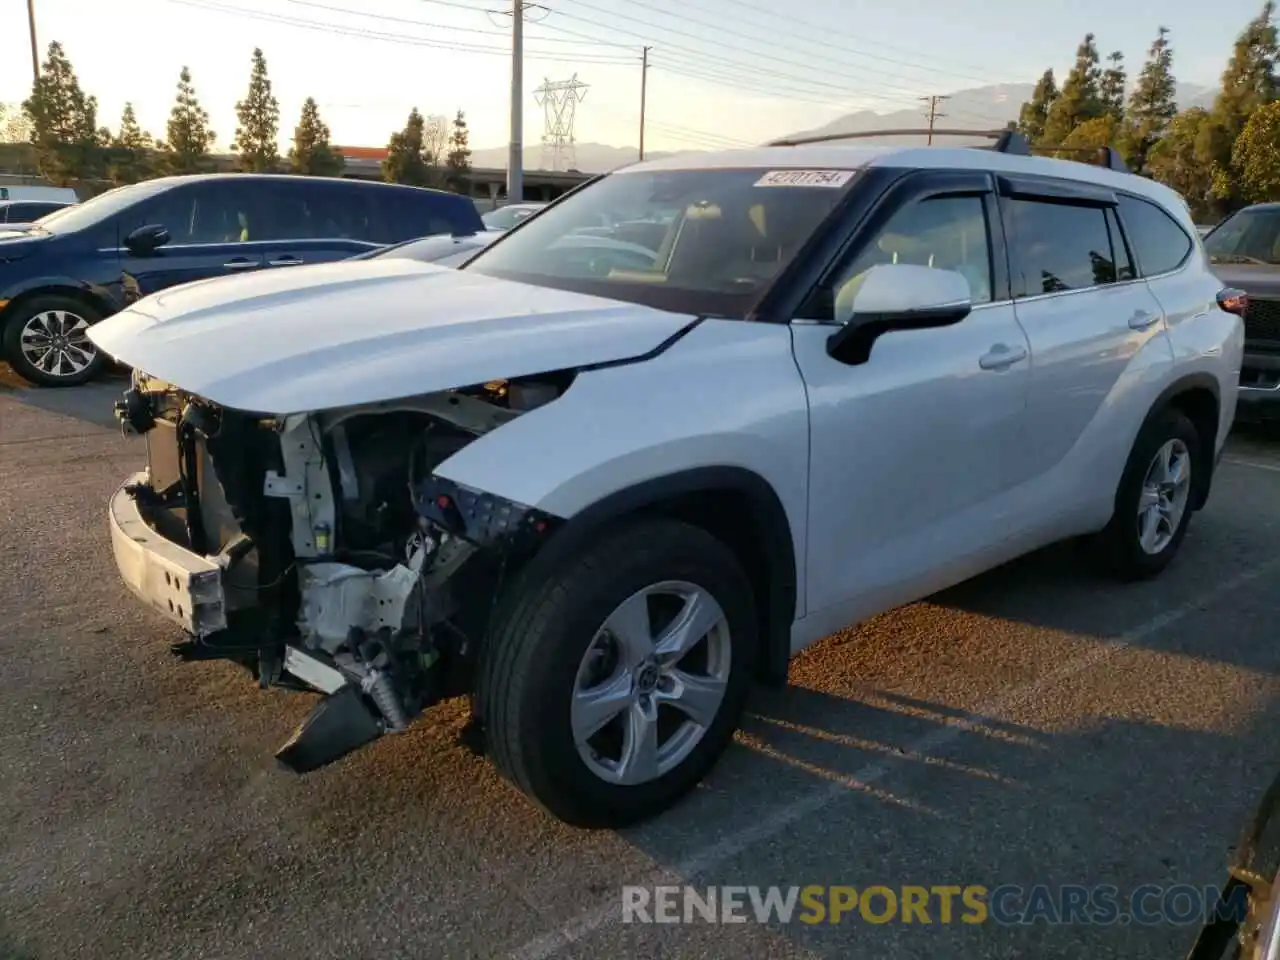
x=893, y=297
x=146, y=239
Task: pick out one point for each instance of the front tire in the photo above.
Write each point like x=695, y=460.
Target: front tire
x=46, y=342
x=613, y=682
x=1153, y=501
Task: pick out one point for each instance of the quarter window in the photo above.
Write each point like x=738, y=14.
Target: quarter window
x=1058, y=247
x=1161, y=245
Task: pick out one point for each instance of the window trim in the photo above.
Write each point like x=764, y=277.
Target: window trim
x=1133, y=249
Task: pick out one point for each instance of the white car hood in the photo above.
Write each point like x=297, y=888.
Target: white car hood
x=301, y=339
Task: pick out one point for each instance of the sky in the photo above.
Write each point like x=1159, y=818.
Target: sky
x=723, y=72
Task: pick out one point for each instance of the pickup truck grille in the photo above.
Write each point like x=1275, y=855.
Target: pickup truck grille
x=1262, y=321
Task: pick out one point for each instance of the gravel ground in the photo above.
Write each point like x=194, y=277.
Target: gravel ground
x=1032, y=726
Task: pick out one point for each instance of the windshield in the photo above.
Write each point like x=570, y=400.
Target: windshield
x=692, y=241
x=1250, y=236
x=99, y=208
x=505, y=218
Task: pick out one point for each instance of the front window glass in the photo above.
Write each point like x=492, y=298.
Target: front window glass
x=101, y=207
x=1250, y=236
x=695, y=241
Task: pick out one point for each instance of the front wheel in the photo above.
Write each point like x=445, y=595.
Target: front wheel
x=612, y=683
x=1153, y=502
x=46, y=341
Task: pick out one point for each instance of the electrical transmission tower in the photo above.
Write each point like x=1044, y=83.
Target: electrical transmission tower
x=559, y=101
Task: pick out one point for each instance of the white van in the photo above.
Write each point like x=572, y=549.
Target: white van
x=58, y=194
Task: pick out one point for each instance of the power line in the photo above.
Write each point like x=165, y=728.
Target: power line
x=933, y=113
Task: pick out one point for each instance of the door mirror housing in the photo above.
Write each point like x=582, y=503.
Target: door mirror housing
x=892, y=297
x=146, y=239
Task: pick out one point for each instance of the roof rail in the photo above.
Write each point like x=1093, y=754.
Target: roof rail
x=1005, y=141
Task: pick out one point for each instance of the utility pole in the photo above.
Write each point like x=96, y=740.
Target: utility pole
x=644, y=86
x=35, y=49
x=515, y=153
x=934, y=115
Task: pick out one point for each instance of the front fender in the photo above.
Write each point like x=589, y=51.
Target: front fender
x=725, y=396
x=100, y=294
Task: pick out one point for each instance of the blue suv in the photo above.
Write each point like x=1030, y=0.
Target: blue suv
x=87, y=261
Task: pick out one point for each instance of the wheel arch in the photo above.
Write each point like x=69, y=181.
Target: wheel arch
x=1199, y=397
x=718, y=499
x=53, y=288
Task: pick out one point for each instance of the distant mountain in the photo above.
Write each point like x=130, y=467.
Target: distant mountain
x=989, y=108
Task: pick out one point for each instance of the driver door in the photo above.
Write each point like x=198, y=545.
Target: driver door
x=913, y=453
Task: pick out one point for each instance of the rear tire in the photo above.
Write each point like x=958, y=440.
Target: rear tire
x=1153, y=501
x=44, y=341
x=533, y=696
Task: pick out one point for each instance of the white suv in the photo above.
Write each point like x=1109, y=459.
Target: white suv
x=601, y=487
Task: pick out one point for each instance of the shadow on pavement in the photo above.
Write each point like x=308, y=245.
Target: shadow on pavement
x=91, y=403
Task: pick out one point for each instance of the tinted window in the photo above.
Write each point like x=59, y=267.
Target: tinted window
x=1161, y=245
x=427, y=214
x=1250, y=236
x=1058, y=246
x=320, y=210
x=949, y=233
x=720, y=236
x=217, y=211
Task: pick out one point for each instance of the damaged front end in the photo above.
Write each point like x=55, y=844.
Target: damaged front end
x=321, y=551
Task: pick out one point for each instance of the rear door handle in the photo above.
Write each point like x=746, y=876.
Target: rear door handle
x=1001, y=356
x=288, y=260
x=241, y=263
x=1141, y=319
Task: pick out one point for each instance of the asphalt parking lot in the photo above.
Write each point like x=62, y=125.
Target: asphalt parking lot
x=1033, y=726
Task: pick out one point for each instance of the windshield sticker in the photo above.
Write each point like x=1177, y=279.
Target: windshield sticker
x=805, y=178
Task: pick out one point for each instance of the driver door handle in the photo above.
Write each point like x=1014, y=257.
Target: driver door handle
x=241, y=263
x=1141, y=319
x=1001, y=356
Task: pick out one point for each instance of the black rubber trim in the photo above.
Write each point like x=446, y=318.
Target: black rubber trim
x=648, y=354
x=767, y=516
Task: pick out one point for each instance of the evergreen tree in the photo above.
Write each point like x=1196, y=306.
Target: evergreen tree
x=188, y=137
x=1032, y=116
x=1112, y=85
x=311, y=152
x=63, y=121
x=406, y=158
x=1256, y=156
x=1152, y=105
x=1174, y=160
x=258, y=114
x=130, y=150
x=1248, y=82
x=1080, y=99
x=458, y=163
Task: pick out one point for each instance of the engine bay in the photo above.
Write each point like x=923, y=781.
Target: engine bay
x=348, y=566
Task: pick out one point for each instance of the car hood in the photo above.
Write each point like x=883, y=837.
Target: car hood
x=1261, y=280
x=301, y=339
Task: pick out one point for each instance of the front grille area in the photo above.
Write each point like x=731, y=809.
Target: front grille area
x=1262, y=321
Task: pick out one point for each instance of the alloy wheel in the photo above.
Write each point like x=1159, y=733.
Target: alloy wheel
x=1166, y=489
x=56, y=343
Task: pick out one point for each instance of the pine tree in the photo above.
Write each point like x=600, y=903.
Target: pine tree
x=1152, y=105
x=458, y=163
x=1111, y=86
x=188, y=137
x=1174, y=160
x=1256, y=156
x=130, y=151
x=64, y=122
x=311, y=153
x=1080, y=99
x=258, y=114
x=1248, y=82
x=1032, y=116
x=406, y=159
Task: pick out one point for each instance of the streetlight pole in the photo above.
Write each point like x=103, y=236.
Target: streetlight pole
x=515, y=152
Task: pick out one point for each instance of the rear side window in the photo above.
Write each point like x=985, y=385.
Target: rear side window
x=1057, y=247
x=1160, y=243
x=423, y=214
x=321, y=210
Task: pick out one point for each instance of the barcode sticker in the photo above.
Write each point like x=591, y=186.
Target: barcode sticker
x=805, y=178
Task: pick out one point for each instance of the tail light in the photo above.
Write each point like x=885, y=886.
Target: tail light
x=1233, y=301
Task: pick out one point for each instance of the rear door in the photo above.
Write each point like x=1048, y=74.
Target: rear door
x=1085, y=312
x=316, y=221
x=211, y=234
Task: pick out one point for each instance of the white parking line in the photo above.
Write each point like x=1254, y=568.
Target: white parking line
x=716, y=854
x=1273, y=467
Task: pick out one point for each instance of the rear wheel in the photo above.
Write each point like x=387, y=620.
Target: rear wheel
x=613, y=683
x=46, y=341
x=1153, y=502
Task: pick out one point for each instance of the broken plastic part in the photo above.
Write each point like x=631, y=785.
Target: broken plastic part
x=341, y=722
x=483, y=519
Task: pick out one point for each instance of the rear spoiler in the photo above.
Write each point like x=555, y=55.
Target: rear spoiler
x=1004, y=141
